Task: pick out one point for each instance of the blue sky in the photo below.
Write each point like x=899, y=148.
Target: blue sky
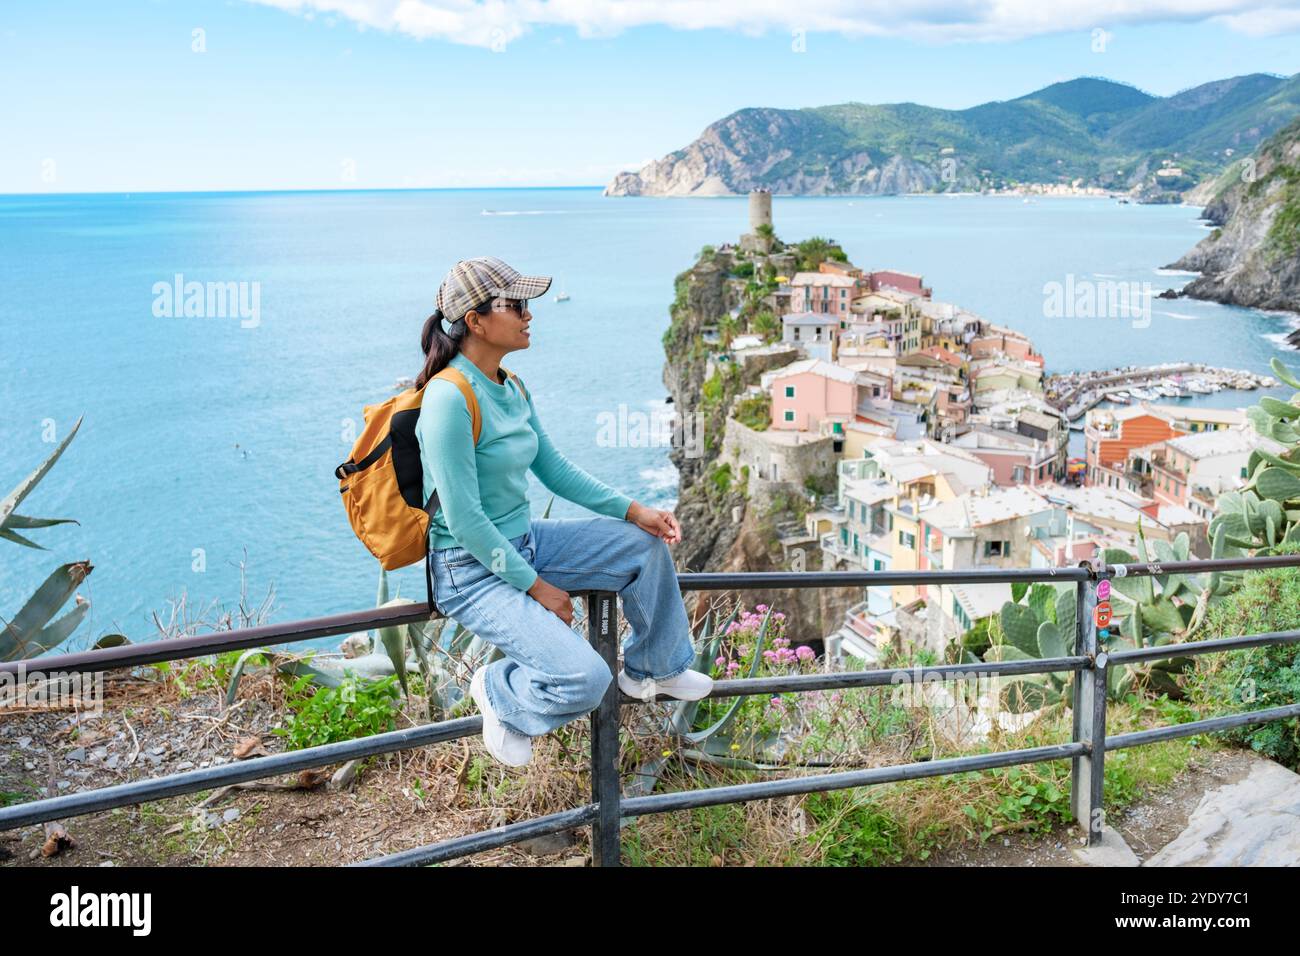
x=294, y=94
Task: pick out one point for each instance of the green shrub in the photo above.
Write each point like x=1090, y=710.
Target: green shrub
x=356, y=708
x=755, y=413
x=1258, y=677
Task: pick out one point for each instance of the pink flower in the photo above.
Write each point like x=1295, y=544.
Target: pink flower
x=761, y=608
x=804, y=652
x=720, y=661
x=779, y=616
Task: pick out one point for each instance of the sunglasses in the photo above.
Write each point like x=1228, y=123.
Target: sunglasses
x=505, y=305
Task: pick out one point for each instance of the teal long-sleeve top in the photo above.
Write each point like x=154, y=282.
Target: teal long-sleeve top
x=483, y=489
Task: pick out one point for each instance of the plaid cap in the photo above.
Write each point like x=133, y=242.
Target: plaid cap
x=471, y=282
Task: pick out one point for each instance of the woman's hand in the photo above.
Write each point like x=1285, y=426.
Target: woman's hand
x=553, y=599
x=658, y=522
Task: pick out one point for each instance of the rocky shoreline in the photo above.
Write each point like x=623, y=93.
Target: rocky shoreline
x=1252, y=258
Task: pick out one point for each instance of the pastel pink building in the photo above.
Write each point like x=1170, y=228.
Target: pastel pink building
x=904, y=281
x=808, y=393
x=1002, y=342
x=826, y=293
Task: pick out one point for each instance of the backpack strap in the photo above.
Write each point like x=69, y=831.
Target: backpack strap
x=457, y=378
x=517, y=380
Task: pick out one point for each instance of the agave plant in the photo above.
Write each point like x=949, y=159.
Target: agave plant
x=35, y=629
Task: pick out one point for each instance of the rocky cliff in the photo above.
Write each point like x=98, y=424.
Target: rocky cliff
x=786, y=151
x=1253, y=257
x=721, y=529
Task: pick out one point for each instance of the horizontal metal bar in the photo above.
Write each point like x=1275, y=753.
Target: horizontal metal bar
x=1161, y=568
x=208, y=778
x=894, y=676
x=488, y=839
x=767, y=789
x=667, y=802
x=153, y=652
x=219, y=642
x=742, y=580
x=1192, y=648
x=1211, y=724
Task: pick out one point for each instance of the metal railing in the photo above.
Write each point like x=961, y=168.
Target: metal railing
x=608, y=808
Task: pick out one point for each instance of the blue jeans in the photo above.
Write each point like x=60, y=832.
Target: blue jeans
x=551, y=674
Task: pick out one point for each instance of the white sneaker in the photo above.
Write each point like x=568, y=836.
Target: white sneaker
x=512, y=749
x=688, y=685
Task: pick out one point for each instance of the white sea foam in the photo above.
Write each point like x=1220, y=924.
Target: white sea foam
x=523, y=212
x=1179, y=315
x=1175, y=272
x=659, y=479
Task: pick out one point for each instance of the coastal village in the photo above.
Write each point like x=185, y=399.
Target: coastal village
x=898, y=432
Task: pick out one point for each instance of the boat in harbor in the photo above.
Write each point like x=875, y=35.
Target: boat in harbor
x=1199, y=387
x=1175, y=389
x=1119, y=398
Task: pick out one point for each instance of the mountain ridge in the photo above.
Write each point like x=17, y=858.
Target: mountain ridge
x=1087, y=131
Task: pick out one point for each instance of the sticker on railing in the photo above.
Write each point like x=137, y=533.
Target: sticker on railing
x=1102, y=614
x=1103, y=590
x=1103, y=635
x=1119, y=570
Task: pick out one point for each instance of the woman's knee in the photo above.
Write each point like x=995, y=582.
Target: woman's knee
x=585, y=689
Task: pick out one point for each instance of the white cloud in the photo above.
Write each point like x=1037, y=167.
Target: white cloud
x=494, y=23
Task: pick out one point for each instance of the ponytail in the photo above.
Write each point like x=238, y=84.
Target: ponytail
x=439, y=346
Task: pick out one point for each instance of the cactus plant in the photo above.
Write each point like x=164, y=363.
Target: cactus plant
x=34, y=629
x=1265, y=512
x=1043, y=626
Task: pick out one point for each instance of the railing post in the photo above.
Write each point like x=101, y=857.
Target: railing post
x=1087, y=773
x=602, y=631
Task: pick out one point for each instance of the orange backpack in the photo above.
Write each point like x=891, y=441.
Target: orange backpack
x=382, y=482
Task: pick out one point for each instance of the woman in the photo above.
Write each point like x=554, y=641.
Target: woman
x=505, y=576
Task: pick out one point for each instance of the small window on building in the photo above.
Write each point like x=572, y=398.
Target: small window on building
x=997, y=549
x=789, y=391
x=837, y=428
x=789, y=415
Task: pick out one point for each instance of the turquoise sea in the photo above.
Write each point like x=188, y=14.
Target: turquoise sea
x=208, y=438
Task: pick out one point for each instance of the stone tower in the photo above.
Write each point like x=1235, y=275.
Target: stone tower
x=760, y=209
x=760, y=214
